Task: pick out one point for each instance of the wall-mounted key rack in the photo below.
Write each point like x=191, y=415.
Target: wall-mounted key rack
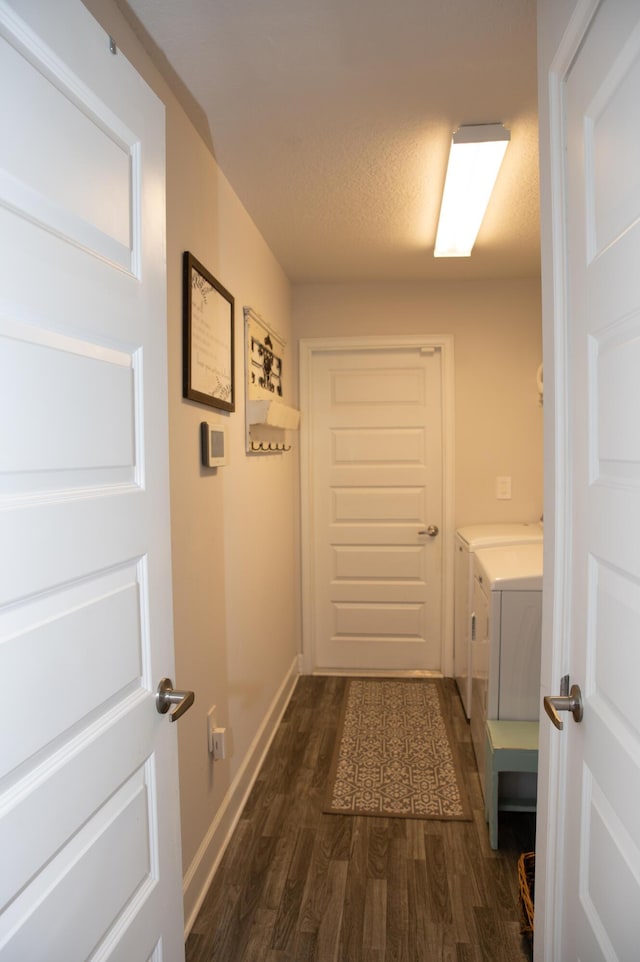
x=268, y=419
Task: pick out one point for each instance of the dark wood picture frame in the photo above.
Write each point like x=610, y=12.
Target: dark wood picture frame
x=208, y=337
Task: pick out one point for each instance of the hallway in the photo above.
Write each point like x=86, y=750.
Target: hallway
x=297, y=885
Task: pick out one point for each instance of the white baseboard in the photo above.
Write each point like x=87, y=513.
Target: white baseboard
x=200, y=873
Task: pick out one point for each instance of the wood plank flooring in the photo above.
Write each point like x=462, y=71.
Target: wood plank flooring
x=296, y=885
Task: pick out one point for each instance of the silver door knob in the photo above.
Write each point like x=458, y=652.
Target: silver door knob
x=167, y=696
x=571, y=702
x=432, y=530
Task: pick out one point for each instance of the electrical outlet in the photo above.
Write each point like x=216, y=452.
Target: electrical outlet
x=211, y=727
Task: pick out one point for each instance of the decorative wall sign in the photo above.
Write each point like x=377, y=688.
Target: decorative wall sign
x=208, y=348
x=265, y=353
x=265, y=366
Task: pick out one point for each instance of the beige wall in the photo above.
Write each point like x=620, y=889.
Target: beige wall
x=232, y=529
x=233, y=553
x=498, y=347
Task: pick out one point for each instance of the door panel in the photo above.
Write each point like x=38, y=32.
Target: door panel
x=113, y=845
x=382, y=446
x=88, y=769
x=93, y=630
x=377, y=505
x=377, y=483
x=65, y=442
x=599, y=831
x=87, y=176
x=380, y=563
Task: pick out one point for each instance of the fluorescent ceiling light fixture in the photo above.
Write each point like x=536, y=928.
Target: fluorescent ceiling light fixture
x=474, y=161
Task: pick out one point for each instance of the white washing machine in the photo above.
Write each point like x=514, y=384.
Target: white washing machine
x=506, y=640
x=470, y=539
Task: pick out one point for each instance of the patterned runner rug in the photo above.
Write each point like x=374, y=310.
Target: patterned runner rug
x=394, y=754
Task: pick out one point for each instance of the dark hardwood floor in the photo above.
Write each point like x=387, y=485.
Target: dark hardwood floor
x=297, y=885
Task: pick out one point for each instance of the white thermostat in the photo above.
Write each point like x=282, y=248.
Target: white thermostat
x=213, y=442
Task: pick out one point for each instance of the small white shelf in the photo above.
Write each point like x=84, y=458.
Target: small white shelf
x=272, y=413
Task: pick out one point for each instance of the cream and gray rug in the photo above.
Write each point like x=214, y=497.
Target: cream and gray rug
x=394, y=754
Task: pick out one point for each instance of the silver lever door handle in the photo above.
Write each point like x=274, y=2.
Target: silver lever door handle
x=571, y=702
x=167, y=696
x=432, y=530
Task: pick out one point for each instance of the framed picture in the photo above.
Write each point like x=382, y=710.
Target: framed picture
x=208, y=349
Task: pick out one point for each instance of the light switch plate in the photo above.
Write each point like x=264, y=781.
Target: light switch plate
x=211, y=727
x=503, y=488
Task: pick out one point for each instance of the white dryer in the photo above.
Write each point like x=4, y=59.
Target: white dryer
x=506, y=639
x=469, y=539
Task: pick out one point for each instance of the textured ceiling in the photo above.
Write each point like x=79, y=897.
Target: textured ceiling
x=332, y=120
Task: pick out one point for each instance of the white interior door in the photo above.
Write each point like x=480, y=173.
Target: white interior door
x=89, y=819
x=375, y=420
x=593, y=913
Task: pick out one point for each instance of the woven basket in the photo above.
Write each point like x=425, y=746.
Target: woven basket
x=526, y=876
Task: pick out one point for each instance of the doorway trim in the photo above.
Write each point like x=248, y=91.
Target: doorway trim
x=309, y=348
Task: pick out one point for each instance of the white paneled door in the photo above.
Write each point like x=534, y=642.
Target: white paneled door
x=89, y=818
x=594, y=915
x=374, y=429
